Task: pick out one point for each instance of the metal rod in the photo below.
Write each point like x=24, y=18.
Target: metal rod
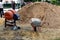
x=5, y=23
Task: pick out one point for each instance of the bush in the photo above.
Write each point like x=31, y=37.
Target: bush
x=53, y=1
x=31, y=0
x=57, y=39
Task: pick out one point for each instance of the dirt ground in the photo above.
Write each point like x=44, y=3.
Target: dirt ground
x=26, y=33
x=48, y=13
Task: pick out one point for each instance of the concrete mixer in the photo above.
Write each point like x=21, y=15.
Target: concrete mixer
x=10, y=19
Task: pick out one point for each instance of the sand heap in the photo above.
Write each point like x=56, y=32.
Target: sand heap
x=2, y=20
x=48, y=13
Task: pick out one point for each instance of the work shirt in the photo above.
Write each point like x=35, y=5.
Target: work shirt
x=35, y=21
x=1, y=5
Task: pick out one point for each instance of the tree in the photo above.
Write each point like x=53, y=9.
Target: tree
x=58, y=2
x=53, y=1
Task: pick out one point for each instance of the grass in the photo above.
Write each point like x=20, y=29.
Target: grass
x=57, y=39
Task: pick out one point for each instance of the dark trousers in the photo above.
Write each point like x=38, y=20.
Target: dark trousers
x=13, y=7
x=1, y=12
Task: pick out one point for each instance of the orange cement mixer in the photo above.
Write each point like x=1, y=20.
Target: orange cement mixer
x=10, y=19
x=13, y=11
x=9, y=14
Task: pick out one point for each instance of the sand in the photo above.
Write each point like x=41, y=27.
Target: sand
x=48, y=13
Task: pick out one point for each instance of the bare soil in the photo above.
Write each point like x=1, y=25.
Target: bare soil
x=48, y=13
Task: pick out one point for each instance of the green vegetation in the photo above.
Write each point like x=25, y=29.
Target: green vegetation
x=53, y=1
x=31, y=0
x=56, y=2
x=57, y=39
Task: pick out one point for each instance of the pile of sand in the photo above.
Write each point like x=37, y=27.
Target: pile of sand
x=48, y=13
x=2, y=20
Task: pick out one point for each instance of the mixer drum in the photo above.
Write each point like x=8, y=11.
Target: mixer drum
x=8, y=15
x=13, y=11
